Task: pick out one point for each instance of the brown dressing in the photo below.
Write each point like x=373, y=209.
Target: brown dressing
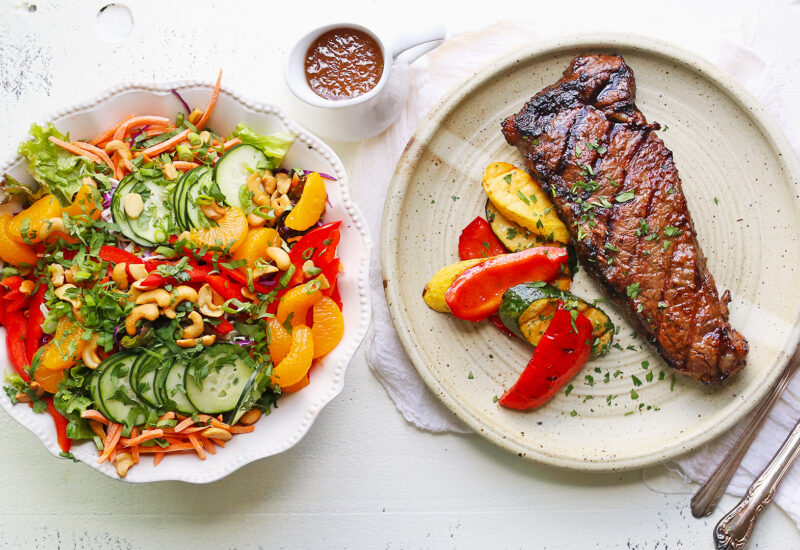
x=343, y=63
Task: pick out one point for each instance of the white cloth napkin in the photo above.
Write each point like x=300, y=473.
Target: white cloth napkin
x=430, y=78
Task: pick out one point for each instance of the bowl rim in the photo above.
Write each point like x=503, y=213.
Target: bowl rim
x=420, y=140
x=46, y=432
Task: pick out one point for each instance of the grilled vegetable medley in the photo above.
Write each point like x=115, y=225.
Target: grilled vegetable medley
x=163, y=284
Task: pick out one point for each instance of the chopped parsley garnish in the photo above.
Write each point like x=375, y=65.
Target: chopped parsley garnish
x=632, y=290
x=671, y=231
x=625, y=196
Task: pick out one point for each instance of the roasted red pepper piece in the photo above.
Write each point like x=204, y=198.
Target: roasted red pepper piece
x=61, y=425
x=35, y=321
x=318, y=245
x=224, y=327
x=563, y=350
x=478, y=291
x=16, y=326
x=477, y=240
x=117, y=255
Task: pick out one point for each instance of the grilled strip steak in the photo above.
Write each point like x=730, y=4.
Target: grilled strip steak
x=615, y=186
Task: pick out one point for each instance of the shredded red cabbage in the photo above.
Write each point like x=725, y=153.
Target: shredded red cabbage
x=185, y=105
x=323, y=174
x=106, y=200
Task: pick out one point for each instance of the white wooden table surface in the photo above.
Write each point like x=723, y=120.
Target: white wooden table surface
x=362, y=477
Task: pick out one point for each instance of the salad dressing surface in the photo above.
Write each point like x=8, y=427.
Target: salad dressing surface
x=343, y=63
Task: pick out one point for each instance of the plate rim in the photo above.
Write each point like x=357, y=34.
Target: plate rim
x=428, y=127
x=46, y=432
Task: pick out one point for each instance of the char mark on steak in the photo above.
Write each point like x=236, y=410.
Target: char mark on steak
x=615, y=186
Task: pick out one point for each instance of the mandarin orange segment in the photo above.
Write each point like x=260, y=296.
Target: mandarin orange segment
x=328, y=327
x=48, y=379
x=26, y=225
x=231, y=229
x=295, y=303
x=85, y=203
x=11, y=251
x=304, y=381
x=311, y=205
x=255, y=245
x=63, y=351
x=295, y=365
x=280, y=341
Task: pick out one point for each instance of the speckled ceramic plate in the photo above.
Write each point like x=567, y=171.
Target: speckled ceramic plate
x=287, y=424
x=740, y=176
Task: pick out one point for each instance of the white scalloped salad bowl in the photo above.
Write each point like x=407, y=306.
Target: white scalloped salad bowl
x=294, y=414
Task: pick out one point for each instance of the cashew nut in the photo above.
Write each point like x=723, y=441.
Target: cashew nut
x=249, y=295
x=61, y=294
x=280, y=257
x=120, y=275
x=283, y=182
x=250, y=417
x=212, y=210
x=122, y=149
x=123, y=463
x=280, y=204
x=196, y=328
x=217, y=433
x=261, y=271
x=134, y=205
x=269, y=182
x=309, y=269
x=206, y=340
x=254, y=186
x=89, y=354
x=138, y=271
x=205, y=136
x=206, y=303
x=144, y=311
x=181, y=293
x=170, y=172
x=158, y=295
x=254, y=220
x=53, y=225
x=27, y=287
x=69, y=275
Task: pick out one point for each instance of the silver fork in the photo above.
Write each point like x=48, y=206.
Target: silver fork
x=707, y=496
x=734, y=530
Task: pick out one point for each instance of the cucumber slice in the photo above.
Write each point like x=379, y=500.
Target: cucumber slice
x=118, y=211
x=233, y=169
x=201, y=186
x=143, y=375
x=154, y=225
x=172, y=390
x=179, y=195
x=526, y=310
x=222, y=388
x=250, y=394
x=119, y=400
x=95, y=391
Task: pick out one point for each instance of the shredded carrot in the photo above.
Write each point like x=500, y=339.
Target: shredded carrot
x=147, y=435
x=208, y=445
x=97, y=429
x=217, y=442
x=197, y=446
x=96, y=150
x=165, y=145
x=183, y=425
x=92, y=414
x=108, y=134
x=241, y=429
x=184, y=166
x=122, y=129
x=135, y=448
x=112, y=438
x=168, y=416
x=231, y=143
x=157, y=459
x=152, y=132
x=211, y=103
x=75, y=150
x=175, y=447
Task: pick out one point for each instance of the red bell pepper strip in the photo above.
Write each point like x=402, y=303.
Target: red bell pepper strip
x=16, y=326
x=117, y=255
x=331, y=273
x=61, y=425
x=477, y=240
x=225, y=288
x=318, y=245
x=12, y=282
x=563, y=350
x=223, y=327
x=18, y=304
x=195, y=274
x=478, y=291
x=35, y=321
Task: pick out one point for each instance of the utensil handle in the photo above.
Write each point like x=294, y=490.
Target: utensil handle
x=431, y=34
x=707, y=497
x=733, y=531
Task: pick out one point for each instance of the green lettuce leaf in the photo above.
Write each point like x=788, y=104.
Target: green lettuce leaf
x=274, y=146
x=74, y=397
x=57, y=171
